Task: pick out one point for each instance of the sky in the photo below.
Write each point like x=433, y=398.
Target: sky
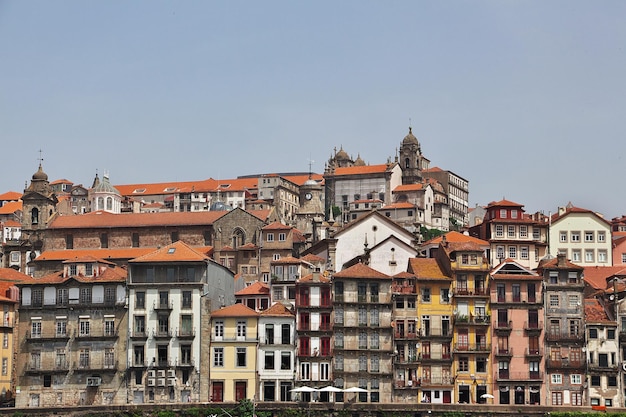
x=524, y=99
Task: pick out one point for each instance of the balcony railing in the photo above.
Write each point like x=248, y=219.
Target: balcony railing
x=51, y=335
x=533, y=326
x=565, y=363
x=505, y=375
x=533, y=352
x=432, y=381
x=472, y=347
x=554, y=336
x=506, y=352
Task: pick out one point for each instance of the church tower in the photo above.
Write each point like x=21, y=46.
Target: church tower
x=104, y=197
x=310, y=215
x=411, y=159
x=38, y=207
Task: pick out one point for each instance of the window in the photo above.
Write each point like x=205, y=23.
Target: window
x=463, y=364
x=601, y=237
x=576, y=256
x=557, y=398
x=499, y=230
x=269, y=360
x=556, y=379
x=602, y=258
x=573, y=301
x=426, y=295
x=140, y=325
x=109, y=326
x=269, y=237
x=563, y=237
x=589, y=255
x=324, y=371
x=554, y=300
x=241, y=329
x=84, y=327
x=69, y=242
x=500, y=252
x=512, y=252
x=281, y=237
x=285, y=360
x=575, y=379
x=186, y=301
x=35, y=329
x=523, y=232
x=523, y=252
x=503, y=213
x=575, y=236
x=510, y=231
x=444, y=295
x=104, y=240
x=218, y=356
x=85, y=295
x=83, y=358
x=595, y=380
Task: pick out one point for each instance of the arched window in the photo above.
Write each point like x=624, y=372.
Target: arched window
x=407, y=163
x=239, y=238
x=100, y=203
x=34, y=216
x=109, y=203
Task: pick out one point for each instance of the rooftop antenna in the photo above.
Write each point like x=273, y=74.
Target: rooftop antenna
x=310, y=167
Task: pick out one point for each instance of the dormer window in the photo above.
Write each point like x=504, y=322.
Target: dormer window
x=72, y=270
x=503, y=213
x=88, y=270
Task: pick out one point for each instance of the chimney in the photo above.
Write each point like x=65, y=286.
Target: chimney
x=561, y=260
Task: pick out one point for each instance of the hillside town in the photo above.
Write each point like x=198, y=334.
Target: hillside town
x=367, y=283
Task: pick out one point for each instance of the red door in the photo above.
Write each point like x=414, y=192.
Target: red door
x=447, y=398
x=218, y=392
x=240, y=391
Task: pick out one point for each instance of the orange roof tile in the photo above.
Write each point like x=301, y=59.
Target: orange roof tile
x=596, y=276
x=61, y=255
x=427, y=269
x=278, y=310
x=11, y=207
x=235, y=310
x=256, y=288
x=100, y=219
x=309, y=278
x=313, y=258
x=398, y=206
x=11, y=223
x=362, y=170
x=287, y=260
x=594, y=312
x=456, y=237
x=573, y=209
x=361, y=270
x=107, y=275
x=88, y=258
x=176, y=252
x=408, y=187
x=11, y=275
x=277, y=226
x=10, y=195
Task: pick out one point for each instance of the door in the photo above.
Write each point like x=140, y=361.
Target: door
x=240, y=390
x=217, y=394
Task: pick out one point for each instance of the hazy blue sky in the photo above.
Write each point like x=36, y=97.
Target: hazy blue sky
x=525, y=99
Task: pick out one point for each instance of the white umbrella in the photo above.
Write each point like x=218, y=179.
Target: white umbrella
x=304, y=389
x=330, y=388
x=487, y=396
x=354, y=389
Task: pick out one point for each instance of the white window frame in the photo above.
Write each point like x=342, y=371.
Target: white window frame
x=575, y=237
x=589, y=236
x=576, y=379
x=556, y=379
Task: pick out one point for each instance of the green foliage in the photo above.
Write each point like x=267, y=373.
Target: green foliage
x=336, y=212
x=453, y=414
x=166, y=413
x=428, y=234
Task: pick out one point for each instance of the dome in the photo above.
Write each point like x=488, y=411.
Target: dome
x=40, y=175
x=105, y=186
x=410, y=138
x=310, y=183
x=343, y=155
x=359, y=162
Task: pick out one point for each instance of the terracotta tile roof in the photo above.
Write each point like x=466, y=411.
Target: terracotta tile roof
x=256, y=288
x=572, y=209
x=361, y=270
x=167, y=187
x=462, y=246
x=11, y=207
x=176, y=252
x=297, y=236
x=277, y=226
x=278, y=310
x=61, y=181
x=235, y=310
x=12, y=276
x=248, y=246
x=260, y=214
x=313, y=258
x=309, y=278
x=404, y=275
x=594, y=312
x=362, y=170
x=427, y=269
x=290, y=260
x=100, y=219
x=398, y=206
x=61, y=255
x=299, y=180
x=88, y=259
x=456, y=237
x=554, y=264
x=408, y=187
x=504, y=203
x=433, y=169
x=11, y=223
x=596, y=276
x=10, y=195
x=107, y=275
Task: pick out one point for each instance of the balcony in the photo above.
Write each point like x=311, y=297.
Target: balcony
x=533, y=353
x=163, y=306
x=92, y=335
x=436, y=381
x=564, y=363
x=503, y=375
x=409, y=384
x=602, y=367
x=47, y=336
x=504, y=352
x=162, y=334
x=138, y=334
x=461, y=319
x=472, y=348
x=95, y=366
x=185, y=334
x=555, y=336
x=405, y=335
x=503, y=326
x=407, y=360
x=403, y=289
x=185, y=363
x=533, y=327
